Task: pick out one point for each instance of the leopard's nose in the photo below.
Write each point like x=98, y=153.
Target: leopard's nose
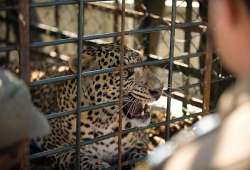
x=155, y=93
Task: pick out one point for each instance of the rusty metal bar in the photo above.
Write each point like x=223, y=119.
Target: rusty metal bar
x=57, y=25
x=207, y=78
x=188, y=19
x=116, y=18
x=187, y=48
x=79, y=85
x=170, y=72
x=8, y=26
x=24, y=155
x=24, y=55
x=193, y=101
x=24, y=39
x=121, y=68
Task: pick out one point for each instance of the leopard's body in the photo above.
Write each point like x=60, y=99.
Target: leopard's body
x=141, y=86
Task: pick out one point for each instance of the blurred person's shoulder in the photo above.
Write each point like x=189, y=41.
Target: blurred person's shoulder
x=226, y=147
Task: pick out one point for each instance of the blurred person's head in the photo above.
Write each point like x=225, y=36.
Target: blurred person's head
x=19, y=120
x=230, y=25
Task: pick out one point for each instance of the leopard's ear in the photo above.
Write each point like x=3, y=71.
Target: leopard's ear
x=88, y=62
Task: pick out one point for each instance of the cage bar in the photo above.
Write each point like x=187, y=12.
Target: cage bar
x=187, y=45
x=121, y=68
x=93, y=107
x=24, y=53
x=105, y=35
x=207, y=78
x=108, y=70
x=24, y=40
x=170, y=70
x=79, y=71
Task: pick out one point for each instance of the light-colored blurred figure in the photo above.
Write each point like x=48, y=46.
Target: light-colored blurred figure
x=226, y=147
x=19, y=120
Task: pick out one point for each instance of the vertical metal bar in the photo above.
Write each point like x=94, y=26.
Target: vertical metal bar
x=7, y=35
x=170, y=73
x=79, y=70
x=57, y=24
x=121, y=68
x=24, y=39
x=187, y=48
x=24, y=56
x=24, y=155
x=116, y=17
x=207, y=78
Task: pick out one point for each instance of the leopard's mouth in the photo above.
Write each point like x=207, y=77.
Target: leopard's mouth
x=135, y=109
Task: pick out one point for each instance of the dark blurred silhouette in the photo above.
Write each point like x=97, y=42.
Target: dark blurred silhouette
x=19, y=121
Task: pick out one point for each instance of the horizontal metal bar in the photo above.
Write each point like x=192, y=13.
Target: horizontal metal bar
x=43, y=28
x=53, y=115
x=53, y=80
x=65, y=148
x=107, y=104
x=200, y=83
x=62, y=2
x=8, y=48
x=67, y=36
x=137, y=14
x=192, y=101
x=53, y=3
x=53, y=43
x=113, y=34
x=82, y=109
x=108, y=70
x=187, y=70
x=7, y=7
x=48, y=4
x=97, y=139
x=105, y=35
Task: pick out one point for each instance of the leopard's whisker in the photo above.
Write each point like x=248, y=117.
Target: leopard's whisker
x=132, y=107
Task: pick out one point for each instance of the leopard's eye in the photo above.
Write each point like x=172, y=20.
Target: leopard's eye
x=128, y=73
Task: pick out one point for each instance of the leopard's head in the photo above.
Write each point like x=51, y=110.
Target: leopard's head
x=140, y=84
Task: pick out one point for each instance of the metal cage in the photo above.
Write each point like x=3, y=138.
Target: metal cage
x=23, y=8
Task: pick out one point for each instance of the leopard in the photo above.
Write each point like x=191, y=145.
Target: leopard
x=140, y=86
